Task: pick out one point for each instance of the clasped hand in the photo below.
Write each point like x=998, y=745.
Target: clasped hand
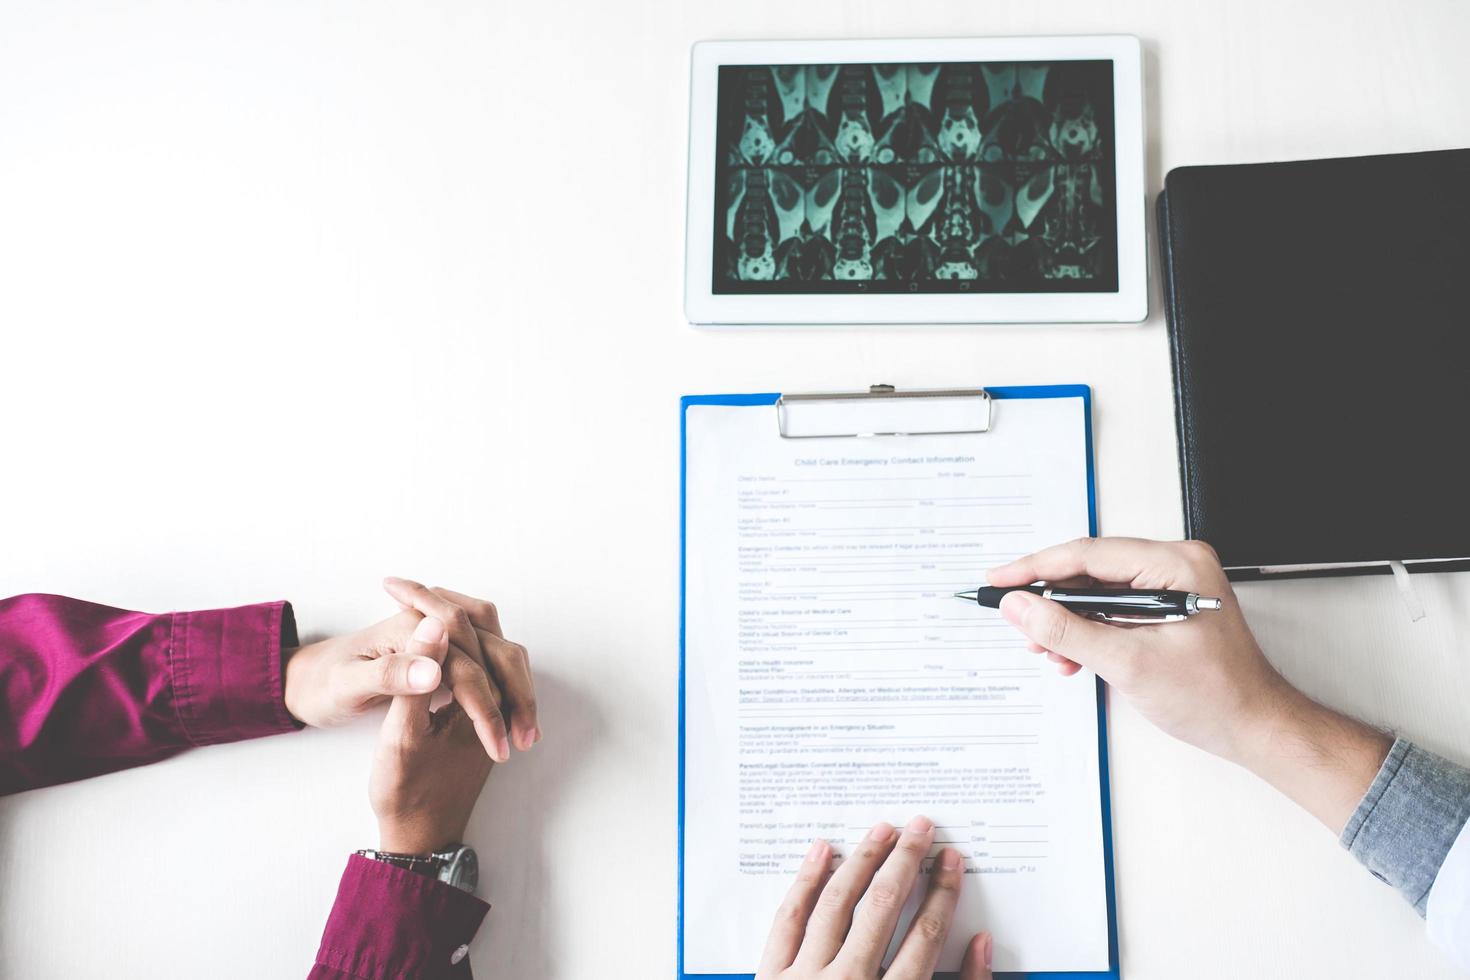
x=333, y=681
x=430, y=764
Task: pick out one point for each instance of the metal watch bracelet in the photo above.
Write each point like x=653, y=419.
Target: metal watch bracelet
x=419, y=863
x=457, y=865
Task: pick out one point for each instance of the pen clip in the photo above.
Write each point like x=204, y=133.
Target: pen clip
x=1137, y=620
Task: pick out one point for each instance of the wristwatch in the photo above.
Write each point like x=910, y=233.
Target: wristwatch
x=456, y=865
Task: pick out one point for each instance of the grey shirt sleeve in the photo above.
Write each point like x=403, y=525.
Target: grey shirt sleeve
x=1409, y=819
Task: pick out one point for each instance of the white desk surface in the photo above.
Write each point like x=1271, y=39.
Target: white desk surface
x=298, y=294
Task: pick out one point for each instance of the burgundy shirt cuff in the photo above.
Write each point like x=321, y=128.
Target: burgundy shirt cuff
x=225, y=667
x=391, y=924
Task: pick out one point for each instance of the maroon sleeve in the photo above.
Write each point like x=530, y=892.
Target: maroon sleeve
x=389, y=924
x=87, y=689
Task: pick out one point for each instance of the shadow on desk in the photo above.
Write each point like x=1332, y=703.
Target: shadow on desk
x=511, y=831
x=1352, y=644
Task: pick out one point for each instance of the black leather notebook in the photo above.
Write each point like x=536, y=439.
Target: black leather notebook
x=1319, y=320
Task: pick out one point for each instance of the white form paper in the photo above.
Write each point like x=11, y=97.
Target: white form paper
x=832, y=681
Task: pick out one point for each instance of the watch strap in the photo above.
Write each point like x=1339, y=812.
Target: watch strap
x=457, y=865
x=427, y=865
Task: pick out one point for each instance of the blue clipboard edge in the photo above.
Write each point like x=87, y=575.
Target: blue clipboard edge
x=1014, y=391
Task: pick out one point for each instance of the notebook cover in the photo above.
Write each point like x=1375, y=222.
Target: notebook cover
x=1319, y=322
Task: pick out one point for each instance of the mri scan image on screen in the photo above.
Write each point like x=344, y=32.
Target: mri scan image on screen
x=916, y=178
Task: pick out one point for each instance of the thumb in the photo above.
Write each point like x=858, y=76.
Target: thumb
x=417, y=673
x=400, y=674
x=1045, y=623
x=976, y=965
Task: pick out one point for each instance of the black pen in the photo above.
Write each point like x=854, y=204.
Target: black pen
x=1109, y=605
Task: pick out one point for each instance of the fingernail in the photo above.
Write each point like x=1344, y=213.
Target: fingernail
x=920, y=825
x=817, y=852
x=423, y=674
x=949, y=859
x=1013, y=607
x=535, y=735
x=881, y=832
x=990, y=574
x=987, y=949
x=429, y=630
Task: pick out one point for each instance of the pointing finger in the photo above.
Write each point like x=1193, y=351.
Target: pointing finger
x=1104, y=559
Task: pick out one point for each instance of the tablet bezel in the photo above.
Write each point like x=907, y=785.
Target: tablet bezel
x=1129, y=304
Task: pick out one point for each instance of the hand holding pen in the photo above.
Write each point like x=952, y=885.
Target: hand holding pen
x=1134, y=606
x=1202, y=679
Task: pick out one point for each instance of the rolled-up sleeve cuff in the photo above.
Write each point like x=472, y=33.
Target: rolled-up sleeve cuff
x=391, y=924
x=1408, y=820
x=225, y=667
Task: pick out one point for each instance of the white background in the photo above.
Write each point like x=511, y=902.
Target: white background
x=294, y=295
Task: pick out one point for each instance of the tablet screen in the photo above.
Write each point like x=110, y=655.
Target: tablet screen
x=916, y=178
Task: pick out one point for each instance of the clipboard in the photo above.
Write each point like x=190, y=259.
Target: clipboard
x=988, y=415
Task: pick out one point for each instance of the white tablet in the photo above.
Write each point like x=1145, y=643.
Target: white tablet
x=958, y=180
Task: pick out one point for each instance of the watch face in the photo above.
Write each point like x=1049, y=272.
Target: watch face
x=463, y=870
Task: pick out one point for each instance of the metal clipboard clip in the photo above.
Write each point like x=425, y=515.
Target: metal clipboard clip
x=981, y=407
